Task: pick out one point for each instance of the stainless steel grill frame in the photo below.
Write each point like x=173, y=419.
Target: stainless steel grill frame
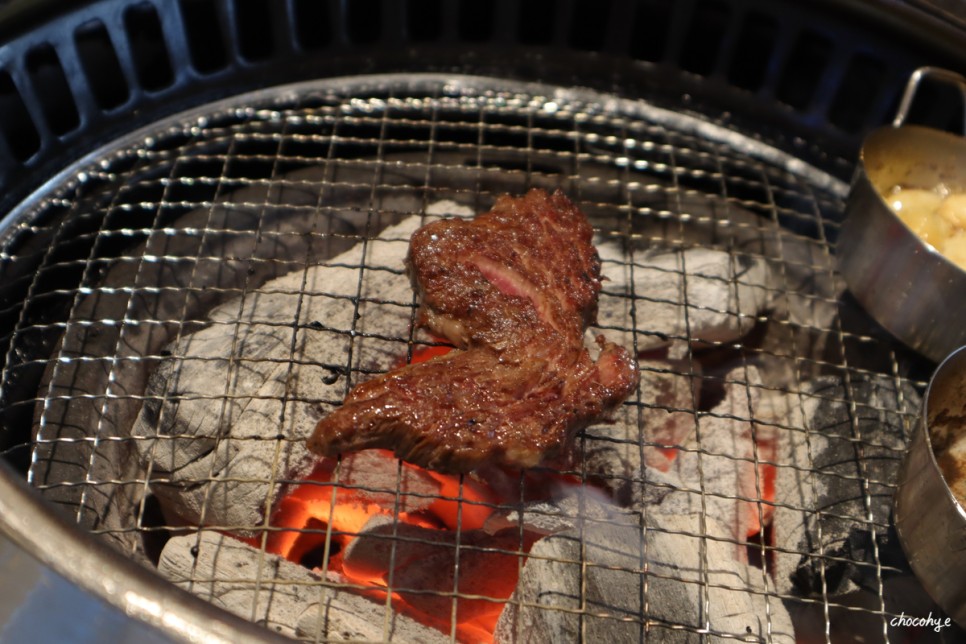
x=648, y=178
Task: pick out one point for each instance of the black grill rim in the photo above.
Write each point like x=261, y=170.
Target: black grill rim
x=151, y=63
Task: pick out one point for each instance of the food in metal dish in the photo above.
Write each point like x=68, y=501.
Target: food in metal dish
x=513, y=290
x=946, y=422
x=949, y=445
x=952, y=462
x=937, y=215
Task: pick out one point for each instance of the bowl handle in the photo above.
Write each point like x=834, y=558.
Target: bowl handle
x=935, y=73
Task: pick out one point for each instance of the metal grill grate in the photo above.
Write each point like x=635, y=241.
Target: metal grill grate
x=276, y=224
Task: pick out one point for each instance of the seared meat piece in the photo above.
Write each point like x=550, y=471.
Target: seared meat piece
x=514, y=290
x=524, y=269
x=474, y=407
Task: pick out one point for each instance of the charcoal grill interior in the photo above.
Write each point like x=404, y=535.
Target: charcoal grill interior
x=235, y=153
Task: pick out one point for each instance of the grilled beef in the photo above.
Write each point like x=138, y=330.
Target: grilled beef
x=514, y=290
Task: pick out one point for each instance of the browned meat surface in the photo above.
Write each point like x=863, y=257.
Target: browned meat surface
x=514, y=290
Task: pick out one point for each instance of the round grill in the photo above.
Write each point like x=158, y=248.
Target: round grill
x=277, y=215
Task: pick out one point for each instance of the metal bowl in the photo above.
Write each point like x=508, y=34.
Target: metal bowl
x=930, y=520
x=908, y=286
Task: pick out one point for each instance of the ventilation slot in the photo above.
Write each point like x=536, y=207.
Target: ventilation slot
x=857, y=94
x=589, y=28
x=705, y=37
x=804, y=68
x=15, y=124
x=50, y=86
x=475, y=20
x=753, y=50
x=206, y=40
x=147, y=47
x=651, y=26
x=313, y=25
x=255, y=32
x=363, y=20
x=424, y=19
x=101, y=67
x=537, y=18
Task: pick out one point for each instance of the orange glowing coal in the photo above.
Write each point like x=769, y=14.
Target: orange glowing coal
x=429, y=556
x=766, y=483
x=322, y=519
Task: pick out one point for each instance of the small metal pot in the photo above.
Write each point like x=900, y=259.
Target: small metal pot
x=930, y=520
x=904, y=283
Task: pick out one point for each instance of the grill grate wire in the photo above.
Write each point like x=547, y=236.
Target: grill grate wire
x=319, y=154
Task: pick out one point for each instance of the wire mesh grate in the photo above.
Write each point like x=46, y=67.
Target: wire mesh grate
x=178, y=312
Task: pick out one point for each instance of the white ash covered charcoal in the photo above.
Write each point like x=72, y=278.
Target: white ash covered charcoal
x=802, y=273
x=836, y=482
x=548, y=517
x=279, y=594
x=624, y=581
x=613, y=452
x=805, y=306
x=697, y=295
x=724, y=467
x=335, y=620
x=132, y=309
x=378, y=477
x=384, y=545
x=423, y=566
x=229, y=411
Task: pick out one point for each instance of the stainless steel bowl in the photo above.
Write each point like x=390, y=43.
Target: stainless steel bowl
x=931, y=522
x=904, y=283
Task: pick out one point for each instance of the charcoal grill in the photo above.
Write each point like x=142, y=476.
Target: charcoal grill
x=164, y=160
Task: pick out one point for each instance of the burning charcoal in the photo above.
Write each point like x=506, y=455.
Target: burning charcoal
x=384, y=544
x=725, y=466
x=277, y=593
x=614, y=451
x=231, y=407
x=376, y=476
x=342, y=496
x=653, y=486
x=836, y=483
x=344, y=621
x=548, y=517
x=619, y=580
x=488, y=567
x=801, y=270
x=541, y=518
x=424, y=566
x=117, y=330
x=718, y=302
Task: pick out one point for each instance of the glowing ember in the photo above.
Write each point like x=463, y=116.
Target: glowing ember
x=384, y=524
x=320, y=519
x=766, y=482
x=766, y=476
